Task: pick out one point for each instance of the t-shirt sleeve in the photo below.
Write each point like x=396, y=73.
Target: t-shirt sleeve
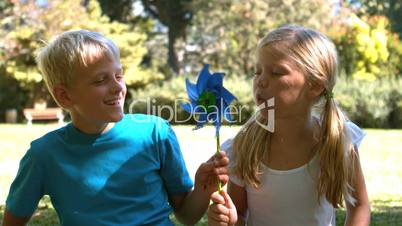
x=27, y=187
x=173, y=168
x=227, y=147
x=355, y=133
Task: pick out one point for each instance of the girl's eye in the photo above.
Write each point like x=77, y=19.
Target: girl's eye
x=276, y=73
x=258, y=71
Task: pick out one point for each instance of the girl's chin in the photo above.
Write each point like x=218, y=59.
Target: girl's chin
x=263, y=114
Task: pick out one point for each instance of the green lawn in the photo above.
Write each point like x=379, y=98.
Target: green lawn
x=381, y=157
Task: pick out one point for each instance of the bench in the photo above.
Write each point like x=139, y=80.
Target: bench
x=44, y=114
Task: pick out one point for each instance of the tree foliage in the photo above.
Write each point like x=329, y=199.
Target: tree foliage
x=30, y=25
x=392, y=9
x=366, y=47
x=176, y=16
x=228, y=40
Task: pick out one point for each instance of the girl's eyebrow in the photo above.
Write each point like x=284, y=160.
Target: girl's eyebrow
x=282, y=65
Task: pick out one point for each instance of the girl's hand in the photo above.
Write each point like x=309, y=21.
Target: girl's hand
x=208, y=174
x=222, y=212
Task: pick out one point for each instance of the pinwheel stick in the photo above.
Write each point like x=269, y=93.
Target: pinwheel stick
x=217, y=154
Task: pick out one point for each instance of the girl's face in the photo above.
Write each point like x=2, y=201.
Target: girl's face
x=277, y=76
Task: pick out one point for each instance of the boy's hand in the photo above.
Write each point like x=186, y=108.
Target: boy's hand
x=208, y=174
x=222, y=212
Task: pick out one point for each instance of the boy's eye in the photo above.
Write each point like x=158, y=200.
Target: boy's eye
x=99, y=81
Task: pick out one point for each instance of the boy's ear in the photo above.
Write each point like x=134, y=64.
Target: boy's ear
x=316, y=89
x=62, y=96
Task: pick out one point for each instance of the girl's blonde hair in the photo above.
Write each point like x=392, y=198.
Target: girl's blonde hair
x=61, y=57
x=316, y=56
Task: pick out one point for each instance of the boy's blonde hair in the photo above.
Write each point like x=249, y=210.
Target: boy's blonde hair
x=61, y=57
x=316, y=56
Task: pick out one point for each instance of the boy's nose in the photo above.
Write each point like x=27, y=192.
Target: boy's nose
x=118, y=86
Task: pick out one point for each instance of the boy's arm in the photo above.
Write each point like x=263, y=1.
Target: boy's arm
x=10, y=219
x=190, y=207
x=360, y=213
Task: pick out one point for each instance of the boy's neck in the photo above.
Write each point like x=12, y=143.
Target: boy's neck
x=93, y=129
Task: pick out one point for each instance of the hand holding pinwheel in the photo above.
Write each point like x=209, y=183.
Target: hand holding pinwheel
x=209, y=102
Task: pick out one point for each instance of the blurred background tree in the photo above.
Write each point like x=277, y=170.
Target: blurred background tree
x=392, y=9
x=28, y=25
x=175, y=15
x=164, y=41
x=228, y=40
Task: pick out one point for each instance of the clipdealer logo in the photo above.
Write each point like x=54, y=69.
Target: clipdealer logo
x=269, y=104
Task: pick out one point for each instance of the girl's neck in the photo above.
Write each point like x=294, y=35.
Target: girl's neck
x=293, y=130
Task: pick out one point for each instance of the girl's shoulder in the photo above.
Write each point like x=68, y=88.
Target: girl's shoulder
x=354, y=133
x=227, y=145
x=227, y=148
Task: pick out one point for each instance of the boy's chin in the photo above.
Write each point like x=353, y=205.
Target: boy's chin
x=116, y=117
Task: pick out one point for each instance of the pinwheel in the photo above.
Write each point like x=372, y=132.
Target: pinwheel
x=209, y=102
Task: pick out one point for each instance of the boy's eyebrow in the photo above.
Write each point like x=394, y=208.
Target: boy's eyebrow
x=118, y=69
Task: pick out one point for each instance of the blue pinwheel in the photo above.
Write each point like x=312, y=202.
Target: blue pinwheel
x=210, y=101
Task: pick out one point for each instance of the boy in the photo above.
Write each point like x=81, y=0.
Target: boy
x=105, y=168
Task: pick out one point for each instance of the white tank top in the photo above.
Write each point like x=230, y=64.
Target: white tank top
x=287, y=198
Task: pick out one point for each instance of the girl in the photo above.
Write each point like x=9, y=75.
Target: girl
x=301, y=172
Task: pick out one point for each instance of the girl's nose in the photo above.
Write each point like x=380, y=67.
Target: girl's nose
x=262, y=81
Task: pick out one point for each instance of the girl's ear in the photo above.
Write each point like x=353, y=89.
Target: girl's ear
x=62, y=95
x=315, y=89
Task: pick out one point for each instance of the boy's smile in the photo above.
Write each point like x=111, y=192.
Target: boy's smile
x=97, y=94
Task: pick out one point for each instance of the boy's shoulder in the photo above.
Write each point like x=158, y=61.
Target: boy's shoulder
x=143, y=118
x=143, y=123
x=47, y=142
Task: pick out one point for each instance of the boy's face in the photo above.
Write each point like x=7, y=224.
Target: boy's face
x=97, y=94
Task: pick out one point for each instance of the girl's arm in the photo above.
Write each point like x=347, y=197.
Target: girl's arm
x=360, y=213
x=239, y=197
x=230, y=208
x=12, y=220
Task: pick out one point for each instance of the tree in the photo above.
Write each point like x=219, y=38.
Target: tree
x=29, y=24
x=228, y=40
x=392, y=9
x=176, y=16
x=367, y=49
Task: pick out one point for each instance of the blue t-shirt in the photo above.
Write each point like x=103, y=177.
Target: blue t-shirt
x=121, y=177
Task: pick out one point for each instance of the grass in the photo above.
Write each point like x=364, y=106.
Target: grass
x=381, y=155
